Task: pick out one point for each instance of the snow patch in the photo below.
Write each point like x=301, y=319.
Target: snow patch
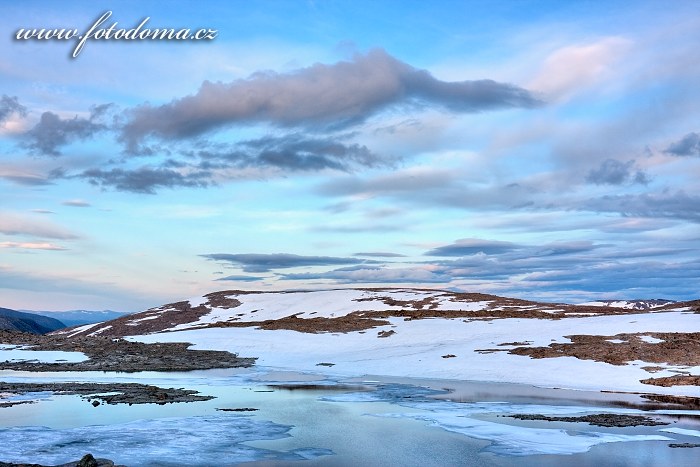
x=651, y=340
x=197, y=301
x=78, y=330
x=41, y=356
x=99, y=331
x=147, y=318
x=323, y=304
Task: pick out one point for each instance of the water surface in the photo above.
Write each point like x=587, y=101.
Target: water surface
x=314, y=420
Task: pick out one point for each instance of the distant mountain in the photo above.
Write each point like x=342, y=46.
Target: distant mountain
x=632, y=304
x=26, y=322
x=78, y=317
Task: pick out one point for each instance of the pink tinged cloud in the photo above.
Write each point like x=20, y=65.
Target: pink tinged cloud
x=32, y=246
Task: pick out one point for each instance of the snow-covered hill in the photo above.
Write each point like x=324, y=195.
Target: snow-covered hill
x=340, y=310
x=435, y=334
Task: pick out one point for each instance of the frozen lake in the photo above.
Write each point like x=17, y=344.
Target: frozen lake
x=309, y=419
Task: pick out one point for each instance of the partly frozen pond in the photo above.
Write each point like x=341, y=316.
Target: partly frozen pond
x=18, y=354
x=314, y=420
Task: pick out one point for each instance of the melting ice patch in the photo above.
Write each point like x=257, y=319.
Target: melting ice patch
x=394, y=393
x=523, y=441
x=14, y=354
x=192, y=441
x=463, y=418
x=29, y=396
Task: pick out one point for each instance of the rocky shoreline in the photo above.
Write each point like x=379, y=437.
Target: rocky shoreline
x=111, y=354
x=87, y=461
x=104, y=393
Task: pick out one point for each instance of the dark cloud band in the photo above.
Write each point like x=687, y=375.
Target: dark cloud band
x=255, y=262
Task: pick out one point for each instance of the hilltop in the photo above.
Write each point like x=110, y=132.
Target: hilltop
x=438, y=334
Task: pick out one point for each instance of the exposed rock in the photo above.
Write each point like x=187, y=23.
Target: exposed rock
x=681, y=402
x=242, y=409
x=108, y=393
x=87, y=461
x=677, y=380
x=603, y=419
x=675, y=348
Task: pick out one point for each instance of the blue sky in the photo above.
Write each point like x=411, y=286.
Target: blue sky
x=537, y=149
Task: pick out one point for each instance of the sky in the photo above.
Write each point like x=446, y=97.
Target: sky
x=544, y=150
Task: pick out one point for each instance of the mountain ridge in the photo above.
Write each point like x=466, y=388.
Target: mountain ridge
x=77, y=317
x=13, y=320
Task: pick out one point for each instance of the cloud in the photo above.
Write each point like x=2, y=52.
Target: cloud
x=213, y=163
x=10, y=106
x=31, y=246
x=296, y=152
x=13, y=224
x=472, y=246
x=24, y=178
x=376, y=275
x=678, y=205
x=614, y=172
x=253, y=262
x=47, y=289
x=379, y=254
x=576, y=269
x=76, y=203
x=320, y=96
x=241, y=278
x=360, y=228
x=484, y=260
x=636, y=279
x=145, y=180
x=402, y=183
x=52, y=131
x=293, y=151
x=566, y=248
x=575, y=67
x=689, y=145
x=431, y=186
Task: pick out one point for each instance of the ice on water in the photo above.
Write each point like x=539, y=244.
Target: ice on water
x=505, y=438
x=193, y=441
